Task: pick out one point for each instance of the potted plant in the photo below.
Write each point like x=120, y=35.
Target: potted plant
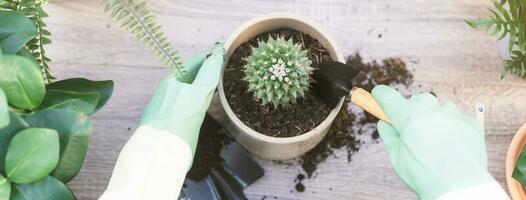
x=264, y=97
x=508, y=21
x=44, y=124
x=516, y=165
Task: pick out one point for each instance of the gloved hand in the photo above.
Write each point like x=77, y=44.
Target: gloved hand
x=154, y=162
x=179, y=107
x=433, y=147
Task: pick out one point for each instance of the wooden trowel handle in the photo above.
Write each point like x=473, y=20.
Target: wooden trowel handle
x=366, y=101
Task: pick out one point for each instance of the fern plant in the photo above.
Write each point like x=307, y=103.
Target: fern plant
x=33, y=9
x=508, y=19
x=134, y=16
x=278, y=71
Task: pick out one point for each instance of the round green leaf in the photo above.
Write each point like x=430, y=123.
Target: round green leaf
x=77, y=101
x=4, y=110
x=6, y=134
x=22, y=81
x=103, y=88
x=5, y=188
x=32, y=154
x=48, y=188
x=15, y=31
x=74, y=129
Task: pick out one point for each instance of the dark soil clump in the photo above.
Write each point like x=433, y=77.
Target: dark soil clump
x=299, y=186
x=294, y=120
x=350, y=123
x=212, y=139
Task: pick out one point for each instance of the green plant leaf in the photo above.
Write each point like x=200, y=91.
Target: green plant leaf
x=81, y=85
x=6, y=134
x=508, y=19
x=15, y=31
x=74, y=129
x=519, y=173
x=48, y=188
x=4, y=110
x=136, y=17
x=22, y=82
x=85, y=102
x=32, y=154
x=5, y=188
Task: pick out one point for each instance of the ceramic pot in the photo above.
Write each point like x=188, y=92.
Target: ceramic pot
x=517, y=145
x=261, y=145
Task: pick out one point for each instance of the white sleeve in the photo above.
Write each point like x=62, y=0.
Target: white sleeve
x=488, y=191
x=152, y=165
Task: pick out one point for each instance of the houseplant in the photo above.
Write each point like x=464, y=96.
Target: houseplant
x=276, y=132
x=508, y=21
x=516, y=165
x=44, y=128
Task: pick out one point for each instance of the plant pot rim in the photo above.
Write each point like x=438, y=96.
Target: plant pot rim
x=516, y=146
x=278, y=140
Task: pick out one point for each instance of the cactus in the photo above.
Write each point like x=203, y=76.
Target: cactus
x=278, y=72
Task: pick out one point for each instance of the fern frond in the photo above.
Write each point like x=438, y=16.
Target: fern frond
x=508, y=19
x=36, y=13
x=516, y=65
x=135, y=17
x=33, y=9
x=9, y=5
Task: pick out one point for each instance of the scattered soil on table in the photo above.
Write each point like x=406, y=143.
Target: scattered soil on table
x=350, y=123
x=294, y=120
x=299, y=186
x=212, y=139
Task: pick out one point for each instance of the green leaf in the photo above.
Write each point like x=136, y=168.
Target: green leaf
x=6, y=134
x=22, y=81
x=103, y=88
x=4, y=110
x=5, y=188
x=74, y=129
x=32, y=154
x=519, y=173
x=85, y=102
x=15, y=31
x=136, y=17
x=45, y=189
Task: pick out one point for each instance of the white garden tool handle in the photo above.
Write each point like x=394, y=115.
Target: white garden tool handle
x=152, y=165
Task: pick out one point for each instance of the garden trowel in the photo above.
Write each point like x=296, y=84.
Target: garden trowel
x=334, y=80
x=225, y=182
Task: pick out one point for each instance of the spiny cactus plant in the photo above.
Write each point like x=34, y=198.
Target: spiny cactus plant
x=278, y=71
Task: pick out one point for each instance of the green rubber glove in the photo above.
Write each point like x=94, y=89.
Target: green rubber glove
x=180, y=107
x=433, y=147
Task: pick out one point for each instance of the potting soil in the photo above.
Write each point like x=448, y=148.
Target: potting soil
x=353, y=122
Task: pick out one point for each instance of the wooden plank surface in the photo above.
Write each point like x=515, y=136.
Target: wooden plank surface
x=457, y=63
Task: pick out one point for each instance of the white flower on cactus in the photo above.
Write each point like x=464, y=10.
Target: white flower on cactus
x=277, y=70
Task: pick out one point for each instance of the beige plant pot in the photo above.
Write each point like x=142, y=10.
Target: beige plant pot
x=518, y=143
x=261, y=145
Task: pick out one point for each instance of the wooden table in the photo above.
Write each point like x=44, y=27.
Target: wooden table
x=449, y=58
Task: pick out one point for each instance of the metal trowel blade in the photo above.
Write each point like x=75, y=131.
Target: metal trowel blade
x=199, y=190
x=241, y=165
x=228, y=181
x=332, y=81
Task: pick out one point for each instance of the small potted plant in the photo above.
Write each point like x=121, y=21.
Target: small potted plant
x=264, y=97
x=516, y=165
x=508, y=21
